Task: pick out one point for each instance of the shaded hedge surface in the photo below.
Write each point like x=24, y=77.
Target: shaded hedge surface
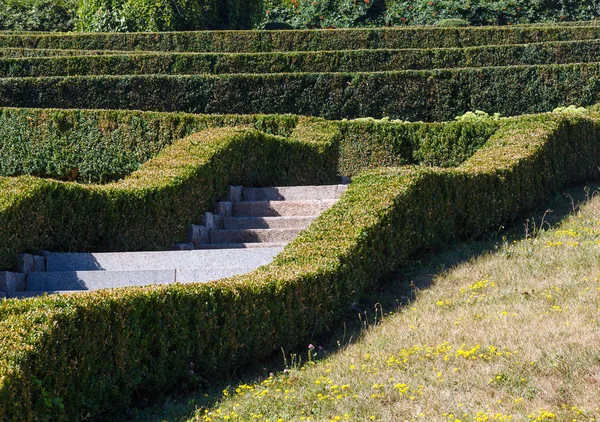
x=100, y=146
x=289, y=62
x=95, y=352
x=92, y=220
x=298, y=40
x=433, y=95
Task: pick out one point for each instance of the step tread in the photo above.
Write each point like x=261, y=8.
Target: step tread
x=280, y=193
x=253, y=235
x=96, y=280
x=281, y=208
x=122, y=261
x=282, y=222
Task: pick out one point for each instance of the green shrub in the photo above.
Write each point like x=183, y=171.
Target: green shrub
x=147, y=15
x=508, y=90
x=305, y=61
x=63, y=358
x=298, y=40
x=37, y=15
x=485, y=12
x=318, y=14
x=452, y=23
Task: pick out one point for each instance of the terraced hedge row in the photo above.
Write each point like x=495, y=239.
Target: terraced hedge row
x=288, y=62
x=146, y=211
x=67, y=357
x=299, y=40
x=434, y=95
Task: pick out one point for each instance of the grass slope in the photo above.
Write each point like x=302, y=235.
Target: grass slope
x=509, y=335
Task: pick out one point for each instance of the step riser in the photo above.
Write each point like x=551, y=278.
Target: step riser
x=294, y=193
x=96, y=280
x=159, y=260
x=281, y=208
x=253, y=235
x=243, y=223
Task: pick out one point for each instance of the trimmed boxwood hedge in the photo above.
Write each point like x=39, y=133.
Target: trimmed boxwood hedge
x=31, y=135
x=433, y=95
x=99, y=145
x=298, y=40
x=151, y=208
x=63, y=358
x=288, y=62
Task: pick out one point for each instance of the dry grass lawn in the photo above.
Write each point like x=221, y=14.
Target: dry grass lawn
x=513, y=334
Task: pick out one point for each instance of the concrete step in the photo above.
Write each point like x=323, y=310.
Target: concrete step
x=253, y=235
x=96, y=280
x=293, y=193
x=241, y=223
x=134, y=261
x=281, y=208
x=253, y=245
x=11, y=282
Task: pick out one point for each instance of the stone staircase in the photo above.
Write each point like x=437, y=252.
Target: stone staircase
x=246, y=231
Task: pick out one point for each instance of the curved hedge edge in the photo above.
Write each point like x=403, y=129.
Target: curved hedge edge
x=330, y=95
x=339, y=39
x=123, y=63
x=153, y=207
x=96, y=350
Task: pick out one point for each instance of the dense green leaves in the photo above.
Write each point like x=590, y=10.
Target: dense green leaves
x=561, y=52
x=486, y=12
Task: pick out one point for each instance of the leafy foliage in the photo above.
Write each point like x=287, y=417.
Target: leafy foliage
x=486, y=12
x=149, y=15
x=37, y=15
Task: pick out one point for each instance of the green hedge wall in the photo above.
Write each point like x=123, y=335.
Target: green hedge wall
x=324, y=61
x=151, y=208
x=298, y=40
x=63, y=358
x=100, y=146
x=507, y=90
x=92, y=138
